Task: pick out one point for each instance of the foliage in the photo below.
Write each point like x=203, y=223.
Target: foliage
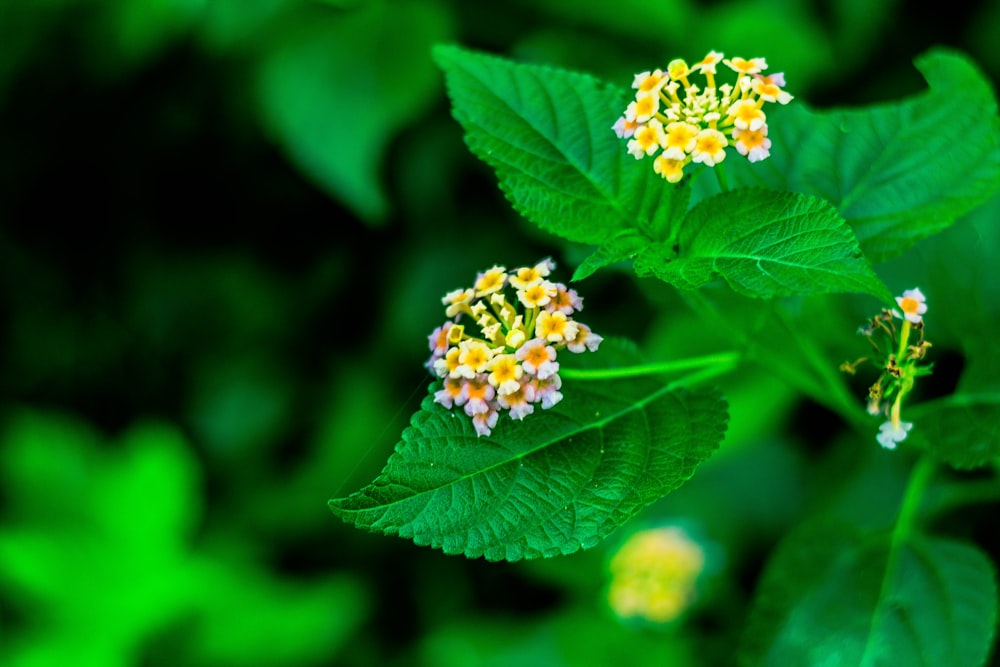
x=227, y=229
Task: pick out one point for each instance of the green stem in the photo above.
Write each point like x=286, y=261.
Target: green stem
x=720, y=175
x=920, y=477
x=723, y=360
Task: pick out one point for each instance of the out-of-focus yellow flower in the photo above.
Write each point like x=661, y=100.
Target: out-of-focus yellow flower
x=653, y=575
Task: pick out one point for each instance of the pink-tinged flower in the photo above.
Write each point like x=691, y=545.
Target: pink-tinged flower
x=473, y=357
x=710, y=147
x=648, y=139
x=565, y=301
x=747, y=115
x=769, y=88
x=554, y=327
x=754, y=144
x=477, y=394
x=519, y=402
x=491, y=281
x=743, y=66
x=447, y=366
x=537, y=295
x=624, y=127
x=643, y=107
x=538, y=359
x=585, y=339
x=449, y=393
x=547, y=391
x=505, y=373
x=913, y=304
x=438, y=340
x=485, y=421
x=889, y=435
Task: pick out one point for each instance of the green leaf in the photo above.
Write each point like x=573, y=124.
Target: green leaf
x=897, y=172
x=622, y=247
x=764, y=244
x=830, y=597
x=547, y=134
x=962, y=430
x=558, y=481
x=337, y=88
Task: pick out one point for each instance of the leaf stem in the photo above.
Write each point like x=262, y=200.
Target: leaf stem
x=916, y=486
x=920, y=477
x=720, y=175
x=724, y=361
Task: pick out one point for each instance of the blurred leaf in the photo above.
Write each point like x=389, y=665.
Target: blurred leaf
x=135, y=513
x=962, y=430
x=229, y=24
x=550, y=484
x=797, y=43
x=666, y=21
x=252, y=618
x=337, y=87
x=896, y=172
x=764, y=244
x=239, y=407
x=116, y=567
x=573, y=636
x=834, y=596
x=547, y=133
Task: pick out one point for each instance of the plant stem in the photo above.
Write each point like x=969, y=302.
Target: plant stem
x=723, y=360
x=920, y=476
x=720, y=175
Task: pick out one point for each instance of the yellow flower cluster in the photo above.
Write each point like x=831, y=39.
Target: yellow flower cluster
x=511, y=363
x=686, y=123
x=653, y=575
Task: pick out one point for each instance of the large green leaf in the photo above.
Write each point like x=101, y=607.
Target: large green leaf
x=547, y=133
x=897, y=172
x=558, y=481
x=834, y=596
x=764, y=244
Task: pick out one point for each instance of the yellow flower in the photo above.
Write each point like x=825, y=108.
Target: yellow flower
x=710, y=147
x=669, y=168
x=653, y=575
x=648, y=139
x=679, y=140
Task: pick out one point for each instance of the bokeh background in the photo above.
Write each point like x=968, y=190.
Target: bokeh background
x=225, y=228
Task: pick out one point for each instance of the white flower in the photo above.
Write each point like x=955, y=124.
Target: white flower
x=913, y=304
x=889, y=435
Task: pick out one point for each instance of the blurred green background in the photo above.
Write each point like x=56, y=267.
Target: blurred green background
x=225, y=228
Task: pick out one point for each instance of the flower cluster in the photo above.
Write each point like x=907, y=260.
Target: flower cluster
x=690, y=124
x=899, y=360
x=654, y=573
x=508, y=361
